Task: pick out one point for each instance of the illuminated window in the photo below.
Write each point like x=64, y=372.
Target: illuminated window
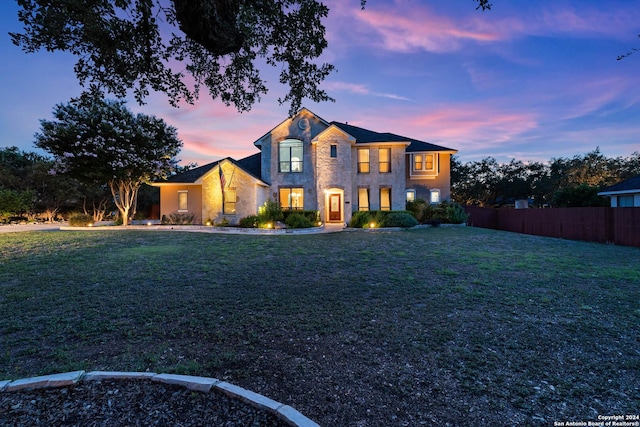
x=291, y=198
x=434, y=197
x=385, y=160
x=291, y=155
x=363, y=199
x=385, y=199
x=417, y=162
x=363, y=160
x=229, y=201
x=334, y=150
x=411, y=196
x=424, y=162
x=183, y=204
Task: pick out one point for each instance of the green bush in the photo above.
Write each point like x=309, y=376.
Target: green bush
x=312, y=216
x=269, y=213
x=418, y=209
x=250, y=221
x=178, y=219
x=298, y=220
x=360, y=219
x=456, y=214
x=400, y=219
x=81, y=220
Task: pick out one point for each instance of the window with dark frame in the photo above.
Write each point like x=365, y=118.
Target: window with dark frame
x=229, y=207
x=291, y=198
x=334, y=150
x=363, y=199
x=291, y=155
x=384, y=160
x=363, y=160
x=385, y=198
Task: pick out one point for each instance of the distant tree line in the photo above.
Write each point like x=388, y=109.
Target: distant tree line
x=560, y=182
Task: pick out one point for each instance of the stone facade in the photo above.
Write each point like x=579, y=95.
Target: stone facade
x=326, y=176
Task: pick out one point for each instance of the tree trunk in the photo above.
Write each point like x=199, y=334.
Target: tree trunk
x=125, y=196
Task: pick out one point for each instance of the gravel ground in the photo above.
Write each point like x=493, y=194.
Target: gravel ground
x=128, y=403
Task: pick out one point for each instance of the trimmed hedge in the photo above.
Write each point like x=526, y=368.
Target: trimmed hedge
x=367, y=219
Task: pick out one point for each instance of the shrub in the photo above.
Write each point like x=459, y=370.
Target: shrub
x=400, y=219
x=418, y=209
x=81, y=220
x=250, y=221
x=269, y=213
x=312, y=216
x=178, y=219
x=360, y=219
x=456, y=214
x=224, y=222
x=298, y=220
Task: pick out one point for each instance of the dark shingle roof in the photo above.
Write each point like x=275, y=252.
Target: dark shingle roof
x=367, y=136
x=192, y=175
x=628, y=185
x=250, y=164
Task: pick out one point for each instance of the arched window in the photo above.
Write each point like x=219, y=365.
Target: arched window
x=291, y=152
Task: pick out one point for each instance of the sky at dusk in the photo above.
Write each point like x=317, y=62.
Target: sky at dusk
x=526, y=80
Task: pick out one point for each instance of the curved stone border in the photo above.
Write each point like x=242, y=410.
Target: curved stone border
x=202, y=384
x=204, y=229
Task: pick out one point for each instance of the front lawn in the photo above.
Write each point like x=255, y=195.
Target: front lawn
x=463, y=326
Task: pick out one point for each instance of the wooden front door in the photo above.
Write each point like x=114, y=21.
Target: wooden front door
x=335, y=207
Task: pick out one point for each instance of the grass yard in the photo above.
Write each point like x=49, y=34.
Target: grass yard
x=440, y=326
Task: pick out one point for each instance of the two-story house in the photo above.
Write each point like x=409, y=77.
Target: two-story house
x=308, y=163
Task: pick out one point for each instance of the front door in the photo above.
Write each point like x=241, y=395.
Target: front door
x=335, y=207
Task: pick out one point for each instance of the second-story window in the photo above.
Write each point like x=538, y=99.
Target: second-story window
x=384, y=160
x=334, y=150
x=363, y=160
x=290, y=155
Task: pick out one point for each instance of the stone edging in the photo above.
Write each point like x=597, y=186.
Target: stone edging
x=202, y=384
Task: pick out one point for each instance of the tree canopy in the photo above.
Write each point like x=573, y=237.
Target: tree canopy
x=135, y=45
x=102, y=142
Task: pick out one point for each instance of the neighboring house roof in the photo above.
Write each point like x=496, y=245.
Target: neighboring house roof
x=250, y=164
x=365, y=136
x=631, y=185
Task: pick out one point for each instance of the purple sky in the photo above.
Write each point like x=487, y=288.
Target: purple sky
x=527, y=80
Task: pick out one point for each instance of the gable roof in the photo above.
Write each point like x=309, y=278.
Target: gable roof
x=192, y=175
x=251, y=165
x=365, y=136
x=631, y=185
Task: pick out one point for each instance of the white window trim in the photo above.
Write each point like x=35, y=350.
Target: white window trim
x=410, y=191
x=425, y=173
x=438, y=196
x=186, y=192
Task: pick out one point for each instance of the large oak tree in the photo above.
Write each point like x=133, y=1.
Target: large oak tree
x=102, y=142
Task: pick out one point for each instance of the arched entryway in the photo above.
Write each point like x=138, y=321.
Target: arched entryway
x=334, y=205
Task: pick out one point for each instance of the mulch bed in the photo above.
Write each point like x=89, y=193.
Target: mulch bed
x=128, y=403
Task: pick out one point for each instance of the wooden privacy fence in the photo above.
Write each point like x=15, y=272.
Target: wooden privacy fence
x=620, y=226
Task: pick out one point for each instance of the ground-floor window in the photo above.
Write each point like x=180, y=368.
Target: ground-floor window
x=434, y=196
x=363, y=199
x=292, y=198
x=183, y=201
x=411, y=196
x=385, y=199
x=229, y=207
